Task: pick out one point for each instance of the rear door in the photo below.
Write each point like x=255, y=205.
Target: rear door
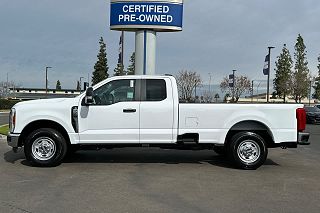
x=156, y=111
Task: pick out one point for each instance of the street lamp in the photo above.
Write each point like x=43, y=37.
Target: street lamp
x=234, y=83
x=47, y=79
x=209, y=83
x=258, y=91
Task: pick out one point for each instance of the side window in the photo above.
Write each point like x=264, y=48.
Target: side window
x=115, y=92
x=156, y=90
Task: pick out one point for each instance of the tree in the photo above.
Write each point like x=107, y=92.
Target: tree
x=300, y=77
x=242, y=84
x=131, y=67
x=101, y=66
x=207, y=97
x=316, y=87
x=119, y=70
x=282, y=81
x=78, y=86
x=225, y=98
x=187, y=82
x=5, y=88
x=58, y=85
x=216, y=96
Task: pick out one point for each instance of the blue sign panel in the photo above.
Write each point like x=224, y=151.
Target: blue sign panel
x=159, y=16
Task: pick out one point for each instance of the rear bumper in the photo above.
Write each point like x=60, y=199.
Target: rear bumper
x=303, y=138
x=13, y=140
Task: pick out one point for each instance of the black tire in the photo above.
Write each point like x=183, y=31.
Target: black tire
x=45, y=147
x=248, y=150
x=220, y=150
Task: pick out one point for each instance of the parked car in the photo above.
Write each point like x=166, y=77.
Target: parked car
x=317, y=105
x=313, y=114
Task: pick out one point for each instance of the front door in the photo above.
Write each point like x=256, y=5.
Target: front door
x=114, y=116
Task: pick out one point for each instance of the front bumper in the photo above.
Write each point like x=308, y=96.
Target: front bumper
x=303, y=138
x=13, y=140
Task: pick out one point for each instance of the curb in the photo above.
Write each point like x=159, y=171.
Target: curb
x=3, y=137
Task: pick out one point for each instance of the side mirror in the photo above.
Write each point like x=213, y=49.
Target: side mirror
x=88, y=99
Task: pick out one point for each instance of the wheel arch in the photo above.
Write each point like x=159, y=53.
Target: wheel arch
x=42, y=124
x=253, y=126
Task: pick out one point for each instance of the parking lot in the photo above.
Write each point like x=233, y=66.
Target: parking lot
x=154, y=180
x=4, y=118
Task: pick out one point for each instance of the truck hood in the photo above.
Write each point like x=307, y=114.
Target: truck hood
x=48, y=102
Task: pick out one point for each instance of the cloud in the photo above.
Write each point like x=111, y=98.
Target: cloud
x=218, y=36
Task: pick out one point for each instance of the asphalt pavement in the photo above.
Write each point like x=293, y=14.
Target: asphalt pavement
x=4, y=118
x=154, y=180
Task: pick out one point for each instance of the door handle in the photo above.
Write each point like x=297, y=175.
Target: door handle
x=129, y=110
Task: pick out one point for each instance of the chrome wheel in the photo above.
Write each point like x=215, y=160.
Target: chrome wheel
x=248, y=151
x=43, y=148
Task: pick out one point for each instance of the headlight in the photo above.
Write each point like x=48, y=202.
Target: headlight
x=12, y=119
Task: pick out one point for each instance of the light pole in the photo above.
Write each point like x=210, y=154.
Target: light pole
x=268, y=84
x=252, y=91
x=234, y=83
x=47, y=79
x=209, y=83
x=310, y=93
x=258, y=91
x=80, y=82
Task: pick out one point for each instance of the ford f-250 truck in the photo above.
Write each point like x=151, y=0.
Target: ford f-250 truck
x=133, y=111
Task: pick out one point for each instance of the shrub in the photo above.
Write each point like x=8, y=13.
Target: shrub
x=7, y=104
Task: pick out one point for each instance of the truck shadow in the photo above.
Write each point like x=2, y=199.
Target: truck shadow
x=12, y=157
x=138, y=156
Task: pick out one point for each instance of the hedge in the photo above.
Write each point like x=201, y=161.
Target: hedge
x=7, y=104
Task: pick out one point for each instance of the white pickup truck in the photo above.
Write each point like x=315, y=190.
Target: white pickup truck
x=144, y=111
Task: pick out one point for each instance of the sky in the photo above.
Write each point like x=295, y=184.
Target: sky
x=218, y=36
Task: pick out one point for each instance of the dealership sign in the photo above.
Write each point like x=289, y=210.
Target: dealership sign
x=154, y=15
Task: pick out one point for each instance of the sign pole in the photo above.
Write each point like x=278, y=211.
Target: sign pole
x=268, y=81
x=145, y=50
x=146, y=18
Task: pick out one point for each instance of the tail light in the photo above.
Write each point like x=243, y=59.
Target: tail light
x=301, y=119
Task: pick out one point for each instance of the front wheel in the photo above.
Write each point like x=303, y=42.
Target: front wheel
x=248, y=150
x=45, y=147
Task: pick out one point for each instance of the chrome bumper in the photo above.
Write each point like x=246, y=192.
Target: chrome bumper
x=303, y=138
x=13, y=140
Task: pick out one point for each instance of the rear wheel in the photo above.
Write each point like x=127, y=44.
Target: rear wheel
x=45, y=147
x=248, y=150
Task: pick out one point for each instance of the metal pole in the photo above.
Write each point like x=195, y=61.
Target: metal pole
x=234, y=84
x=210, y=83
x=268, y=84
x=7, y=85
x=47, y=79
x=145, y=52
x=258, y=91
x=252, y=92
x=122, y=47
x=310, y=93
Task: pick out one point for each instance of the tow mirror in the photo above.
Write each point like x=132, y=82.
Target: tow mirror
x=88, y=99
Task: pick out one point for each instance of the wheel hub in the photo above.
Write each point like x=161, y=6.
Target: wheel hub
x=43, y=148
x=248, y=151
